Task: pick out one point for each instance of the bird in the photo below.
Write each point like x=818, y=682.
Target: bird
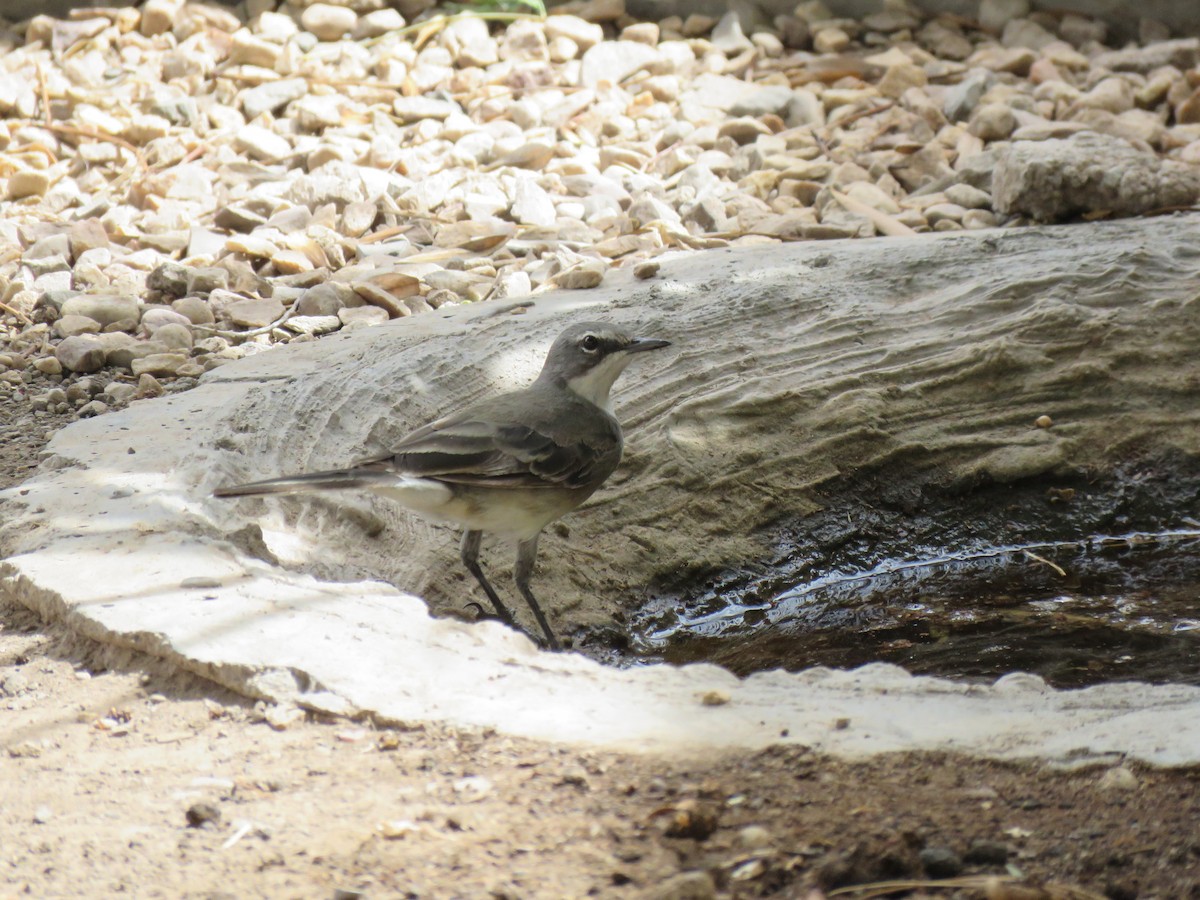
x=508, y=465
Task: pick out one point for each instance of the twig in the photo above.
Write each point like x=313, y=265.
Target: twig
x=242, y=335
x=1057, y=568
x=862, y=114
x=44, y=93
x=12, y=311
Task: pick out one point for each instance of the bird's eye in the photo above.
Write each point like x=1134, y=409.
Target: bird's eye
x=590, y=343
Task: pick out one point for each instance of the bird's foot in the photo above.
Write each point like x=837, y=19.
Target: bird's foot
x=482, y=614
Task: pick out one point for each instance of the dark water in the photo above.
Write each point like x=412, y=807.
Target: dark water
x=1124, y=608
x=1080, y=583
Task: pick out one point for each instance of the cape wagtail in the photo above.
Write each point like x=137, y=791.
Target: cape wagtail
x=509, y=465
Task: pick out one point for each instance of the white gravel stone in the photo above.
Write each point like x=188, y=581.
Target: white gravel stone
x=328, y=22
x=262, y=144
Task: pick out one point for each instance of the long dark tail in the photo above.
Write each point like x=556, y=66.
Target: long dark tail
x=338, y=479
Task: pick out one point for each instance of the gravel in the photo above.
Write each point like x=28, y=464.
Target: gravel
x=182, y=184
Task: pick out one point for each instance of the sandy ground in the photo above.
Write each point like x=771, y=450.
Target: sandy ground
x=122, y=779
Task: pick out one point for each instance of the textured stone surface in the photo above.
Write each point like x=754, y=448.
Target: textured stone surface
x=1061, y=179
x=1002, y=316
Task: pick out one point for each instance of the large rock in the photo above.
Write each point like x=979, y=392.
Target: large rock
x=793, y=366
x=81, y=353
x=107, y=309
x=1051, y=181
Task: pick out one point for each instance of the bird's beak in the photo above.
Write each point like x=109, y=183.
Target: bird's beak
x=637, y=345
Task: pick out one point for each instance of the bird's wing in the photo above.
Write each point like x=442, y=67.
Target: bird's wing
x=473, y=448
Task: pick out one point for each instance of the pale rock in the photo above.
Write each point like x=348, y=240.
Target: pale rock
x=831, y=40
x=272, y=96
x=899, y=78
x=647, y=208
x=414, y=109
x=328, y=22
x=697, y=24
x=585, y=34
x=727, y=35
x=994, y=15
x=805, y=108
x=148, y=386
x=48, y=365
x=743, y=130
x=562, y=49
x=48, y=247
x=968, y=197
x=470, y=43
x=314, y=325
x=158, y=16
x=1113, y=95
x=362, y=316
x=174, y=336
x=1016, y=60
x=993, y=122
x=513, y=284
x=1026, y=33
x=642, y=32
x=873, y=196
x=69, y=326
x=524, y=41
x=254, y=312
x=531, y=204
x=276, y=27
x=1183, y=54
x=146, y=127
x=961, y=99
x=206, y=279
x=167, y=364
x=944, y=42
x=327, y=299
x=81, y=353
x=28, y=183
x=582, y=277
x=614, y=61
x=378, y=23
x=107, y=309
x=316, y=113
x=155, y=317
x=1080, y=30
x=87, y=235
x=979, y=218
x=195, y=309
x=118, y=392
x=261, y=143
x=939, y=211
x=596, y=10
x=1058, y=179
x=246, y=49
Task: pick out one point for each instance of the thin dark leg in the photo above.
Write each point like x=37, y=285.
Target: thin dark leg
x=470, y=558
x=526, y=554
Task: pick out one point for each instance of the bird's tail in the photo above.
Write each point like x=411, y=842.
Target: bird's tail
x=337, y=479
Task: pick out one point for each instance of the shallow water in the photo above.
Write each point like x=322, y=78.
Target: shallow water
x=1113, y=608
x=1080, y=582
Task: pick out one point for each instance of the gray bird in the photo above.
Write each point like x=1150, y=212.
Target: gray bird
x=509, y=465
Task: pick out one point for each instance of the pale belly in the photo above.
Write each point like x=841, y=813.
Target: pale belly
x=515, y=514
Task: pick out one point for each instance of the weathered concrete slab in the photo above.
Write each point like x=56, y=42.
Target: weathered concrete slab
x=294, y=599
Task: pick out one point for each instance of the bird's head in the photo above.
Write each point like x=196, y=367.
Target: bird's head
x=588, y=357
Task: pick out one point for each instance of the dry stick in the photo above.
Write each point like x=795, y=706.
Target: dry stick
x=1057, y=568
x=20, y=316
x=243, y=335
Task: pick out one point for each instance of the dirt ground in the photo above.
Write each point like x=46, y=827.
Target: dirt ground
x=118, y=778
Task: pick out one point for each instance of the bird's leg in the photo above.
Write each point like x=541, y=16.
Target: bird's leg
x=526, y=554
x=470, y=557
